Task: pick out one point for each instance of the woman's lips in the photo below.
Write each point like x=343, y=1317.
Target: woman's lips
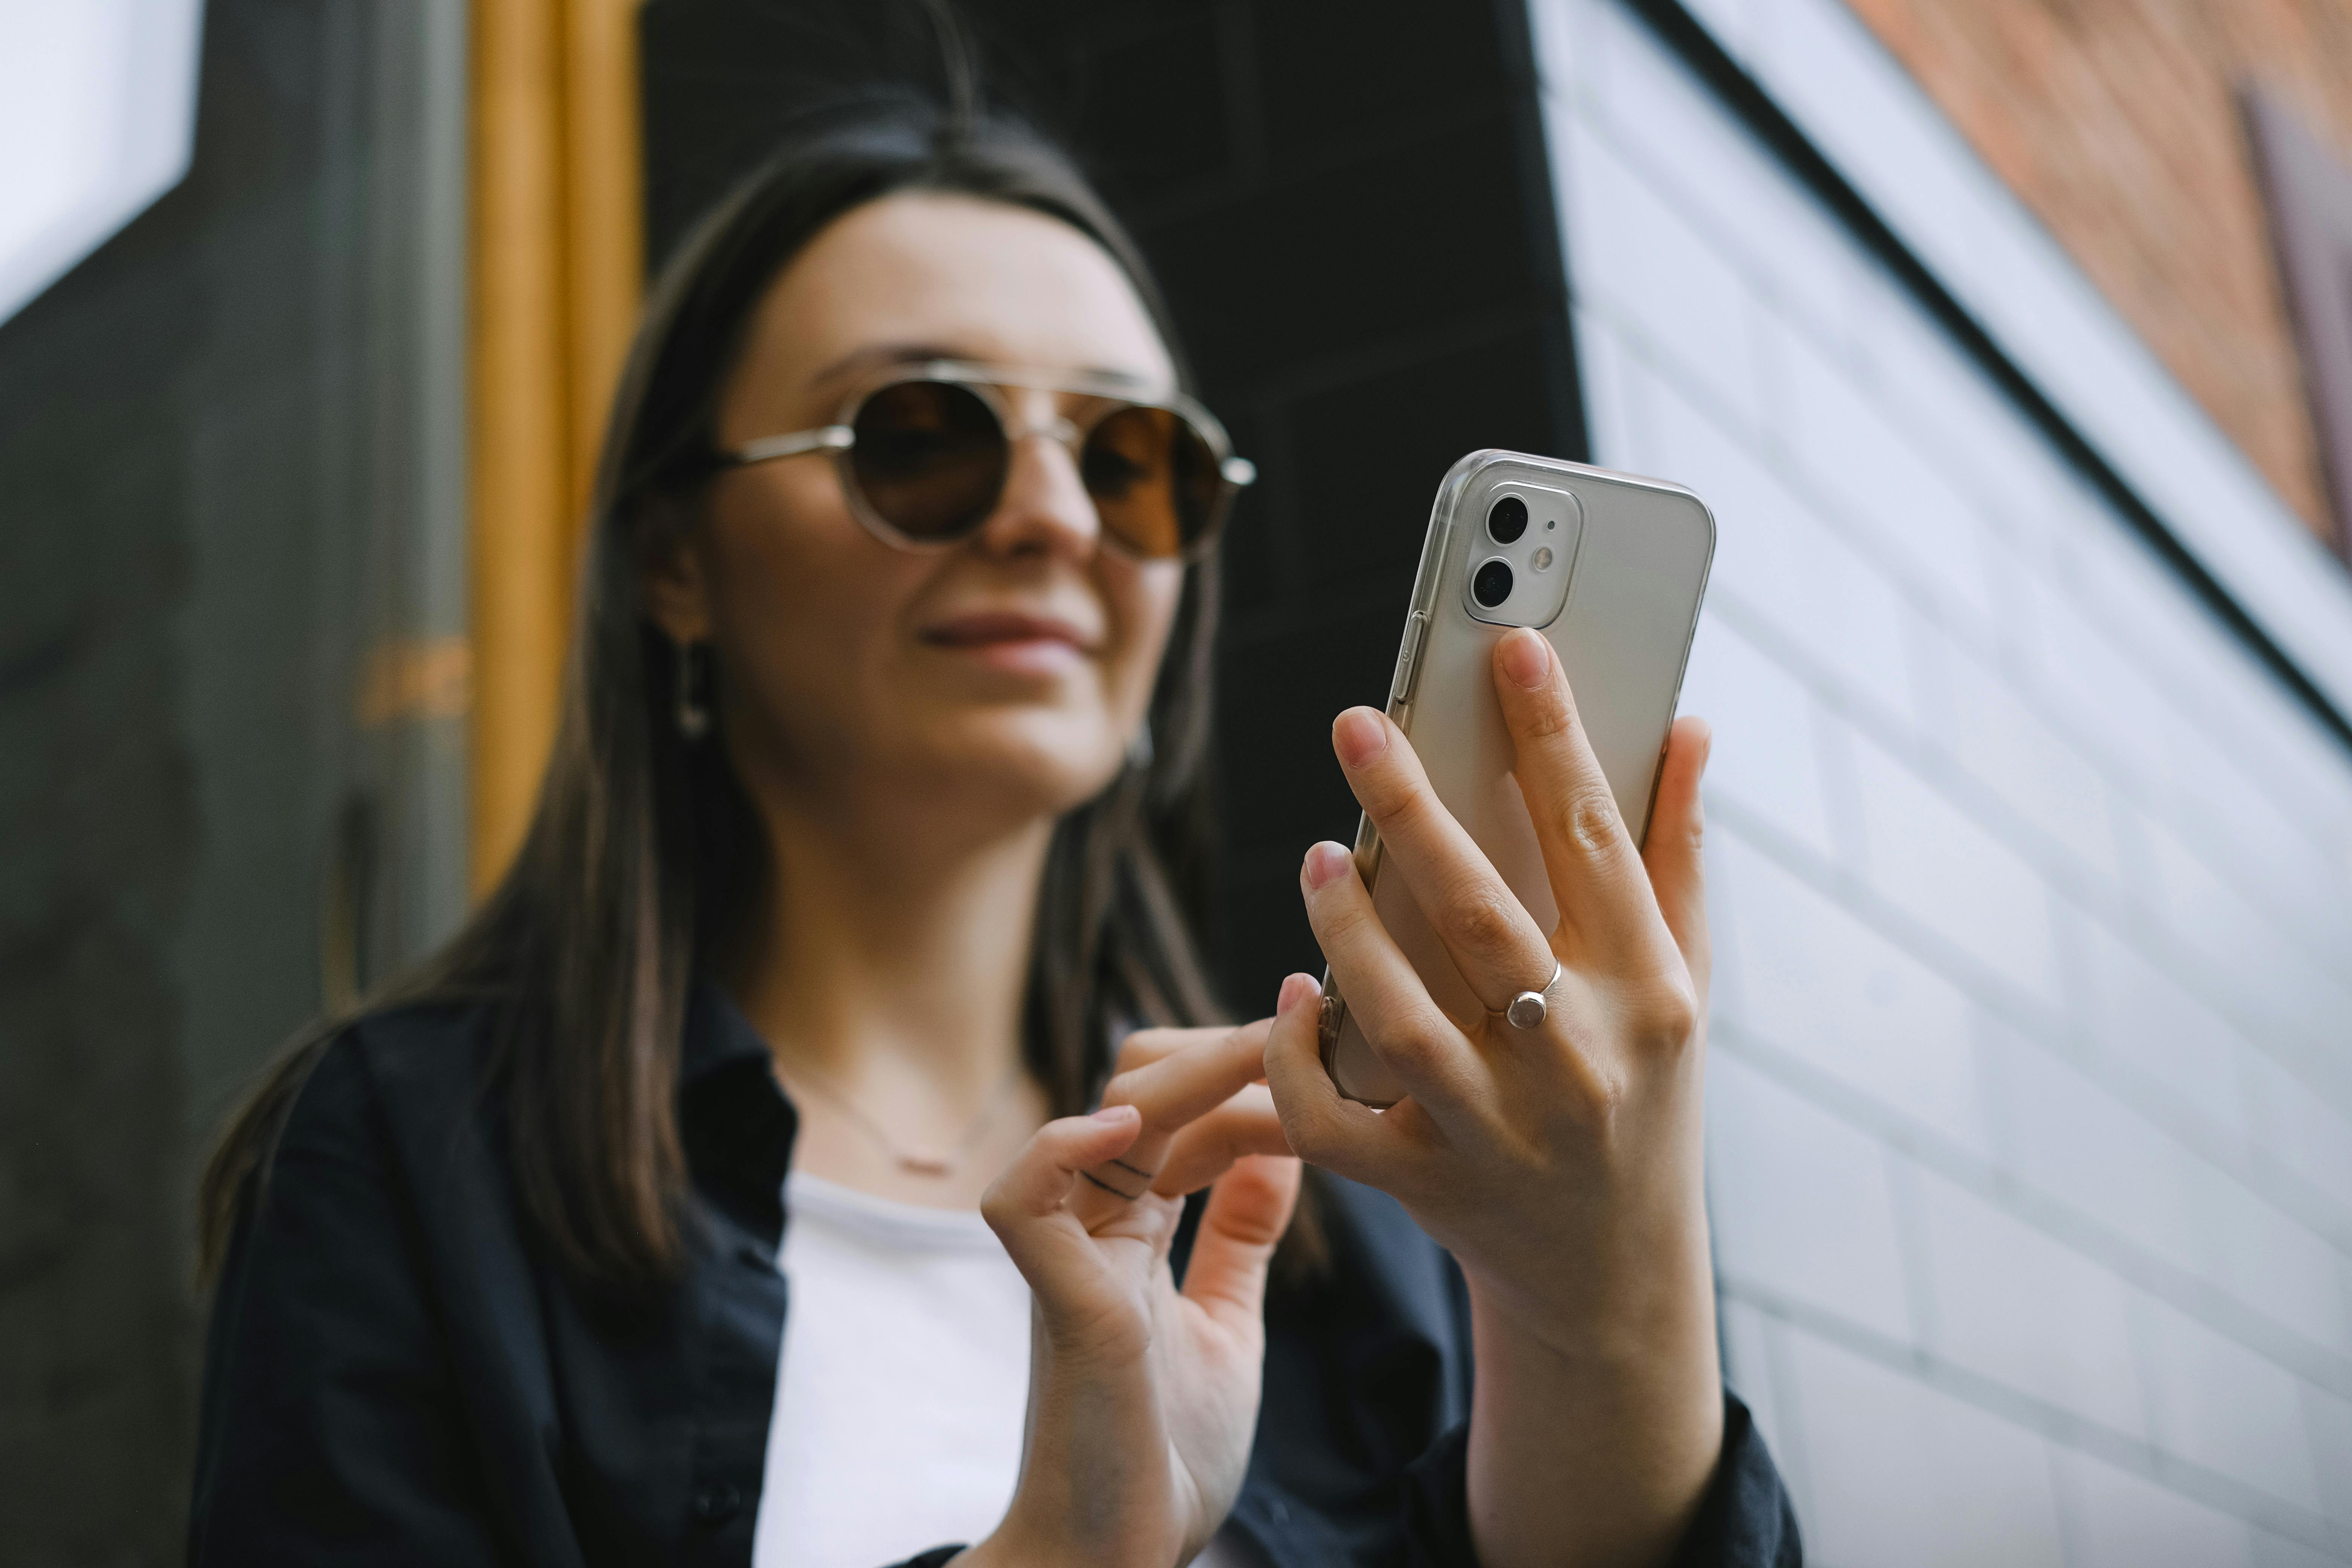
x=1014, y=641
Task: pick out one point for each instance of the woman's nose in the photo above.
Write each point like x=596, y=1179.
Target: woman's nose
x=1044, y=505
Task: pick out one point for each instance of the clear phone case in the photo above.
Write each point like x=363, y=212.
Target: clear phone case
x=1618, y=599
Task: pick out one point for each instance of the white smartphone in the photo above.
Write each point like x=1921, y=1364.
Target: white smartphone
x=1611, y=569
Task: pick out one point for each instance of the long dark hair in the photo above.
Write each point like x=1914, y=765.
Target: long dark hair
x=643, y=860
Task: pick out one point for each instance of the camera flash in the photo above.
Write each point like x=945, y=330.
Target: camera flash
x=1541, y=559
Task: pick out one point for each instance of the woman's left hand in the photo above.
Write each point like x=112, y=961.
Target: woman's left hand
x=1560, y=1163
x=1143, y=1395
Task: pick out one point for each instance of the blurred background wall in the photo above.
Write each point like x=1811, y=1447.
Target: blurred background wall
x=2032, y=1083
x=2031, y=1164
x=232, y=693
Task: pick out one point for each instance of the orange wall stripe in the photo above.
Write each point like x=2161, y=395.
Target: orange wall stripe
x=556, y=271
x=605, y=182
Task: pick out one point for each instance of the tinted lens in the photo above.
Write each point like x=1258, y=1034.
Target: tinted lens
x=929, y=458
x=1154, y=481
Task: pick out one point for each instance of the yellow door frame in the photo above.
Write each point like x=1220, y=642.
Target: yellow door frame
x=557, y=273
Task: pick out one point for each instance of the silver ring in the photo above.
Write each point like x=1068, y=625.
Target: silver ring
x=1528, y=1007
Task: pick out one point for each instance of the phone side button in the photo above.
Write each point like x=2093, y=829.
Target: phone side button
x=1408, y=657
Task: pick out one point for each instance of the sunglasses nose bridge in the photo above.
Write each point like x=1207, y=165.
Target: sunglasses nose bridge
x=1043, y=499
x=1024, y=410
x=1057, y=430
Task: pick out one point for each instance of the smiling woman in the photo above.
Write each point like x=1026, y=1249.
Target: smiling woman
x=850, y=881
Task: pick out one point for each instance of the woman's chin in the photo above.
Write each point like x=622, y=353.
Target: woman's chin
x=1042, y=763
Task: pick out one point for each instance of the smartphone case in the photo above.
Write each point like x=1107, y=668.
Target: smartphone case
x=1624, y=633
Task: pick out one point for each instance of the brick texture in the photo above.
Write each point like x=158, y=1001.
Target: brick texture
x=2115, y=121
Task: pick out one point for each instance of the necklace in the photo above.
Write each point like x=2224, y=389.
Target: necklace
x=913, y=1163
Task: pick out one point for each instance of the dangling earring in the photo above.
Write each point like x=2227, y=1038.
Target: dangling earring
x=693, y=714
x=1139, y=748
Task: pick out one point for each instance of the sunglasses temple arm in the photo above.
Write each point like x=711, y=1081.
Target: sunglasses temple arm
x=827, y=438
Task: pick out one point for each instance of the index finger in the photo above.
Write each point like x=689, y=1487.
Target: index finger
x=1173, y=1091
x=1595, y=870
x=1143, y=1046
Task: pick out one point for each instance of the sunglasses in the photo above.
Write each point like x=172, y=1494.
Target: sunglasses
x=924, y=456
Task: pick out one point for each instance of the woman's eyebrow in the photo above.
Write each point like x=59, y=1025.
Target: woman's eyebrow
x=877, y=354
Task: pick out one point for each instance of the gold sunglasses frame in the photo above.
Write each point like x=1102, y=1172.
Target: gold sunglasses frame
x=989, y=383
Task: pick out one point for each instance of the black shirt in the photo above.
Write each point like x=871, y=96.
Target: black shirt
x=394, y=1374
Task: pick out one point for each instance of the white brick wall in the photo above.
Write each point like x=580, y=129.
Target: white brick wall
x=2030, y=1104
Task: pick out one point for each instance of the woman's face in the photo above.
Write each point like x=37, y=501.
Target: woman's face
x=1005, y=674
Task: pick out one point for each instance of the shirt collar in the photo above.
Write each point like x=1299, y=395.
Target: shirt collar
x=718, y=1035
x=733, y=1117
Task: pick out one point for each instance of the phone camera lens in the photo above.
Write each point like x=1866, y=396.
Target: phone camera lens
x=1508, y=519
x=1492, y=585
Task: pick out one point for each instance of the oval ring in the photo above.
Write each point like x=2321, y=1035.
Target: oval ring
x=1529, y=1008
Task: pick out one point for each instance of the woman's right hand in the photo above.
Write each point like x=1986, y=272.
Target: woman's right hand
x=1143, y=1398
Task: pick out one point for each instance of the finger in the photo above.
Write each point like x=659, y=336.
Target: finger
x=1493, y=941
x=1322, y=1126
x=1246, y=1214
x=1143, y=1046
x=1387, y=999
x=1596, y=873
x=1673, y=850
x=1028, y=1205
x=1171, y=1092
x=1245, y=1125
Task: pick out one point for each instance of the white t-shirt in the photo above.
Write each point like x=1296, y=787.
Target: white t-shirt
x=904, y=1382
x=903, y=1387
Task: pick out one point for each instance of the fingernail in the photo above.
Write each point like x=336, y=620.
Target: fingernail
x=1525, y=658
x=1296, y=990
x=1326, y=863
x=1361, y=735
x=1115, y=1113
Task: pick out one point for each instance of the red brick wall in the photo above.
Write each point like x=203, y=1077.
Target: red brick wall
x=2117, y=122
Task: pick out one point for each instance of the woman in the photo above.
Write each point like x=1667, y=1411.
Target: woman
x=864, y=837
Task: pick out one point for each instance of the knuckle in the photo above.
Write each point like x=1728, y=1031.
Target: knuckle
x=1552, y=717
x=1485, y=919
x=996, y=1208
x=1415, y=1049
x=1666, y=1015
x=1338, y=921
x=1602, y=1095
x=1310, y=1136
x=1587, y=818
x=1387, y=794
x=1678, y=1020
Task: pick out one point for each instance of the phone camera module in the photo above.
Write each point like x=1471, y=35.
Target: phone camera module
x=1505, y=520
x=1492, y=585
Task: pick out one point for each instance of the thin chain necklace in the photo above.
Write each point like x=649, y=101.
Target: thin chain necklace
x=913, y=1163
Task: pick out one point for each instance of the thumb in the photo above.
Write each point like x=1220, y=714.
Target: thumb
x=1026, y=1206
x=1247, y=1211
